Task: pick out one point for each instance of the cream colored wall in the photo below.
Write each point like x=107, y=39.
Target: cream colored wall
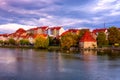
x=56, y=32
x=61, y=31
x=88, y=44
x=39, y=31
x=3, y=38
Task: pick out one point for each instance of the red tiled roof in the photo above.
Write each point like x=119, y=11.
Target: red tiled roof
x=99, y=30
x=33, y=29
x=10, y=34
x=70, y=30
x=87, y=37
x=57, y=28
x=18, y=33
x=73, y=30
x=20, y=30
x=4, y=35
x=43, y=27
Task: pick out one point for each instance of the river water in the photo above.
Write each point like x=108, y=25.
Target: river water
x=30, y=64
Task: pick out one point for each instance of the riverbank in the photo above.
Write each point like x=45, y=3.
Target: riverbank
x=104, y=49
x=58, y=48
x=27, y=47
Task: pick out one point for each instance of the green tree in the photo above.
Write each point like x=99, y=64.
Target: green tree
x=12, y=41
x=69, y=40
x=113, y=35
x=1, y=42
x=41, y=42
x=24, y=42
x=102, y=39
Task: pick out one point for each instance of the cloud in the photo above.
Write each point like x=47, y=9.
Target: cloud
x=67, y=13
x=11, y=27
x=55, y=21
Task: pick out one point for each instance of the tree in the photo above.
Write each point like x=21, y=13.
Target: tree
x=102, y=39
x=41, y=42
x=1, y=42
x=82, y=31
x=54, y=41
x=113, y=35
x=12, y=41
x=6, y=42
x=69, y=40
x=24, y=42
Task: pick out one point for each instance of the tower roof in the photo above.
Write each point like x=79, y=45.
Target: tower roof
x=87, y=37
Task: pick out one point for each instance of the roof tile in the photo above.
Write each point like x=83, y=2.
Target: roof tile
x=87, y=37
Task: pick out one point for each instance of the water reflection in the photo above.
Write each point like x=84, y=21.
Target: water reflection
x=89, y=55
x=29, y=64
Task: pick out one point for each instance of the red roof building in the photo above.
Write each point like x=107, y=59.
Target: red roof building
x=87, y=41
x=38, y=30
x=17, y=34
x=99, y=30
x=42, y=30
x=87, y=37
x=20, y=30
x=32, y=30
x=55, y=28
x=43, y=27
x=56, y=31
x=76, y=31
x=3, y=37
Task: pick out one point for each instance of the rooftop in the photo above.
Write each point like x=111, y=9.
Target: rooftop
x=87, y=37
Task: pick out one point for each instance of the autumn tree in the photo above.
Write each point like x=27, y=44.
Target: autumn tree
x=12, y=41
x=41, y=41
x=68, y=40
x=102, y=39
x=1, y=42
x=113, y=35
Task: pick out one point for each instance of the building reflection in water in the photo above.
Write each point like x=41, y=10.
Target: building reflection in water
x=92, y=65
x=89, y=55
x=39, y=63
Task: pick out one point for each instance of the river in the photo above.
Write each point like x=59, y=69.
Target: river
x=30, y=64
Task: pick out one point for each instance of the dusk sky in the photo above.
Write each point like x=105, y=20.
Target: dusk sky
x=67, y=13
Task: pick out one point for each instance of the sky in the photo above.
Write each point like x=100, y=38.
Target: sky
x=90, y=14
